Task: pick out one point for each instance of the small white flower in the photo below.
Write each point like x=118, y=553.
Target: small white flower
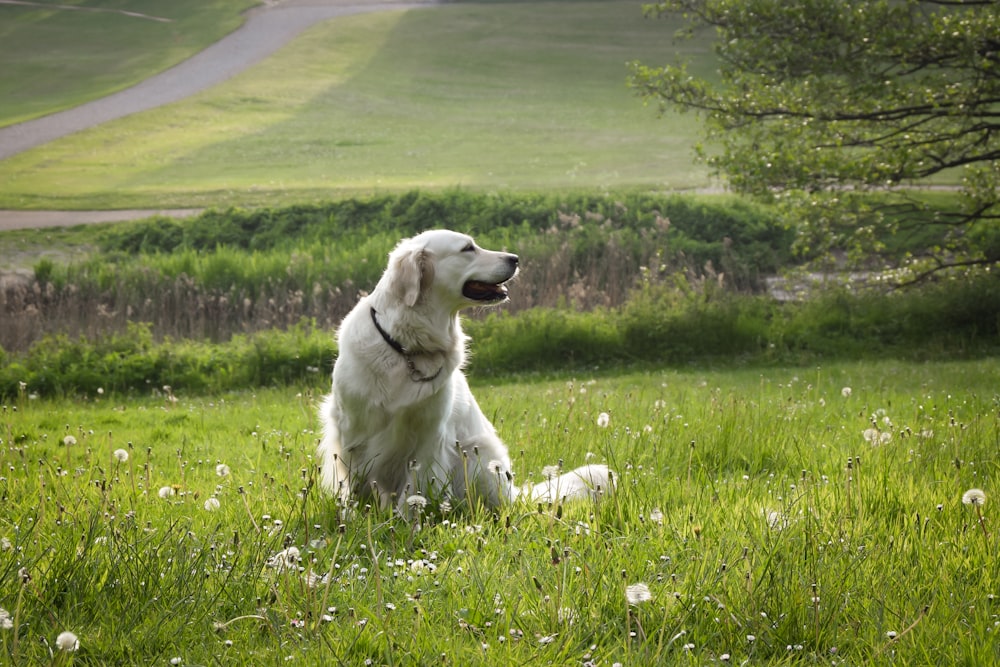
x=222, y=470
x=69, y=440
x=656, y=516
x=495, y=466
x=891, y=635
x=176, y=660
x=166, y=491
x=603, y=419
x=6, y=623
x=212, y=504
x=121, y=455
x=416, y=502
x=637, y=593
x=846, y=392
x=67, y=641
x=550, y=472
x=975, y=497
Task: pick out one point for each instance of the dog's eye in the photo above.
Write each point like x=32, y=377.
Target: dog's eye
x=469, y=248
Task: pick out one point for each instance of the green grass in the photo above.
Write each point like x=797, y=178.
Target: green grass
x=749, y=502
x=56, y=58
x=520, y=96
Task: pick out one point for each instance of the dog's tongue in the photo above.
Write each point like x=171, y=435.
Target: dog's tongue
x=480, y=291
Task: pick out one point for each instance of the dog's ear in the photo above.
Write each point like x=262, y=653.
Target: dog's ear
x=412, y=272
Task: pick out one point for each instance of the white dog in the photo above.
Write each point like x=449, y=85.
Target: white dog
x=401, y=420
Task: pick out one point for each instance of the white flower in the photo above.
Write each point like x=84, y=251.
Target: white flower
x=222, y=470
x=891, y=634
x=6, y=623
x=166, y=491
x=975, y=497
x=495, y=466
x=656, y=516
x=67, y=641
x=846, y=392
x=212, y=504
x=416, y=502
x=550, y=472
x=121, y=455
x=603, y=419
x=637, y=593
x=69, y=440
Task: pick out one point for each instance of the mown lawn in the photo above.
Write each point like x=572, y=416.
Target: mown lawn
x=57, y=55
x=781, y=516
x=526, y=96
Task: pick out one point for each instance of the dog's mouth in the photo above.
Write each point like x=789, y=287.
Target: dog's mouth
x=484, y=292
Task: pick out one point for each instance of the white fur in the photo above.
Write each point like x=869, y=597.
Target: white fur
x=391, y=430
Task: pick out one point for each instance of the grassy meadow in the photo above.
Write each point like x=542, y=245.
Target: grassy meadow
x=807, y=515
x=526, y=96
x=56, y=57
x=790, y=491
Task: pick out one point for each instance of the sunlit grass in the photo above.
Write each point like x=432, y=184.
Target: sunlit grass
x=763, y=523
x=523, y=96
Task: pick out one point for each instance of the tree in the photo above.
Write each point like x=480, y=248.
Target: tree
x=846, y=112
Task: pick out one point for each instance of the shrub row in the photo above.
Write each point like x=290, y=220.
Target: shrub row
x=668, y=321
x=236, y=272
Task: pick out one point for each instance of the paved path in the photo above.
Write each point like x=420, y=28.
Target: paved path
x=266, y=29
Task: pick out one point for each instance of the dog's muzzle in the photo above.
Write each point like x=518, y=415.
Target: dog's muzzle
x=487, y=292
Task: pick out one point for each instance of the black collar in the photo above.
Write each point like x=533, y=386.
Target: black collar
x=415, y=374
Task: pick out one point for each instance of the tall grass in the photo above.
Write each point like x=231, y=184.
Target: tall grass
x=680, y=321
x=783, y=516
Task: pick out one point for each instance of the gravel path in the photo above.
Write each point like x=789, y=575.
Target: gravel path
x=266, y=29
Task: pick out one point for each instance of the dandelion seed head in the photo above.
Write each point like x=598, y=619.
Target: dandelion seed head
x=212, y=504
x=416, y=502
x=846, y=392
x=495, y=466
x=166, y=491
x=69, y=440
x=603, y=419
x=638, y=593
x=975, y=497
x=222, y=470
x=67, y=641
x=121, y=455
x=548, y=472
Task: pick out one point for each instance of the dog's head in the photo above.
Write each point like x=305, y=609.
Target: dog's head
x=449, y=268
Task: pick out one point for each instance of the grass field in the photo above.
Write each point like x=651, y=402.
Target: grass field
x=485, y=96
x=56, y=57
x=778, y=516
